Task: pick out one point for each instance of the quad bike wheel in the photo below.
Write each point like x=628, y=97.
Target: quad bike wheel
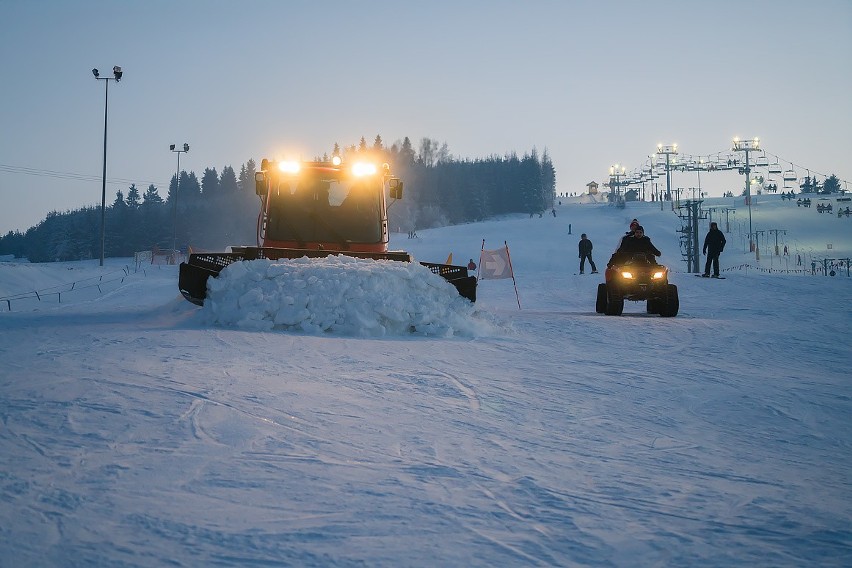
x=672, y=303
x=614, y=302
x=653, y=306
x=600, y=304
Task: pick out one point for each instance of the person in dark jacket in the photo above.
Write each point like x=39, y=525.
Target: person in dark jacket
x=629, y=234
x=636, y=244
x=714, y=244
x=585, y=246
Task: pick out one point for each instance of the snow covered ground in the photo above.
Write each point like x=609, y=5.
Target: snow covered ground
x=139, y=430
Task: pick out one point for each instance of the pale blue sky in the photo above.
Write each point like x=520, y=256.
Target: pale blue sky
x=594, y=83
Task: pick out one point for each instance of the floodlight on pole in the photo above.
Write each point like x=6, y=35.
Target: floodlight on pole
x=667, y=150
x=117, y=73
x=747, y=146
x=178, y=151
x=615, y=172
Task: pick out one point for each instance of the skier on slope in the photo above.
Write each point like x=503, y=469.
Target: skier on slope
x=585, y=248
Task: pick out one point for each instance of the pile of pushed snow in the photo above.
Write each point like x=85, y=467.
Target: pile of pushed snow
x=340, y=294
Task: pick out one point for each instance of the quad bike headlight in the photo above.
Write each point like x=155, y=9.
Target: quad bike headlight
x=658, y=275
x=627, y=275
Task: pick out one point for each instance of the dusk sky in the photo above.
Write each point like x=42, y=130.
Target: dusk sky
x=592, y=83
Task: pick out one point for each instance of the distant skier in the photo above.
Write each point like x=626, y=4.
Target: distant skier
x=714, y=244
x=471, y=265
x=585, y=246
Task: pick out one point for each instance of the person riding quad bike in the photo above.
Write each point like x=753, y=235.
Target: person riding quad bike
x=630, y=246
x=633, y=273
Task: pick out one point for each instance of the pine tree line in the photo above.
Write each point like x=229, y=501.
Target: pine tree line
x=811, y=185
x=221, y=209
x=442, y=190
x=213, y=213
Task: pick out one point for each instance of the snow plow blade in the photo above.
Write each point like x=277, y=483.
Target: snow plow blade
x=192, y=280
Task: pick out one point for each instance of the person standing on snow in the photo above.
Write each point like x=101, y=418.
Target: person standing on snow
x=714, y=244
x=585, y=246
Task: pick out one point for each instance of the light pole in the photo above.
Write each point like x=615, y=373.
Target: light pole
x=669, y=150
x=700, y=167
x=747, y=146
x=177, y=189
x=615, y=172
x=116, y=71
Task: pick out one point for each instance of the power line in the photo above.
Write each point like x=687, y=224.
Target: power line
x=73, y=176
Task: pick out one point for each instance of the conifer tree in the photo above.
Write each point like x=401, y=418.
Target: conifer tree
x=210, y=183
x=246, y=179
x=228, y=181
x=119, y=200
x=133, y=200
x=406, y=152
x=151, y=196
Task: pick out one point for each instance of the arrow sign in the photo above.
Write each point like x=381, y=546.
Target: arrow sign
x=495, y=264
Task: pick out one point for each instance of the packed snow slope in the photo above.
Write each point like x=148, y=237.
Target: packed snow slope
x=343, y=414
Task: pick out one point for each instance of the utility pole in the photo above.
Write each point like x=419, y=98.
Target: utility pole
x=690, y=232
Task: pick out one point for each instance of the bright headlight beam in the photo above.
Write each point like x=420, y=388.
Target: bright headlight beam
x=627, y=275
x=363, y=169
x=289, y=167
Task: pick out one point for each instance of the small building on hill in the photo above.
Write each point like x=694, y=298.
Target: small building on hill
x=593, y=188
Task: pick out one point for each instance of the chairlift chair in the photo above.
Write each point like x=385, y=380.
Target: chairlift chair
x=761, y=162
x=789, y=175
x=775, y=168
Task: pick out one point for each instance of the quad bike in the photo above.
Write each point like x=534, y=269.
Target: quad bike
x=636, y=277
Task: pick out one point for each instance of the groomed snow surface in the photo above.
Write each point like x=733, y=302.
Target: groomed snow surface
x=342, y=413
